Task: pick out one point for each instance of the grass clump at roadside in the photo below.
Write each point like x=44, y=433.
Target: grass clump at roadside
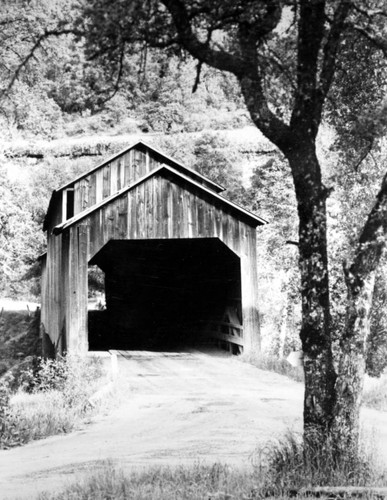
x=196, y=482
x=293, y=464
x=376, y=396
x=288, y=467
x=272, y=364
x=52, y=398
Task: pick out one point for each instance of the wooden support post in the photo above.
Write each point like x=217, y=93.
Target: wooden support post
x=75, y=289
x=249, y=277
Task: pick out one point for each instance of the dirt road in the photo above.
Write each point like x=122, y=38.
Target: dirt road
x=181, y=408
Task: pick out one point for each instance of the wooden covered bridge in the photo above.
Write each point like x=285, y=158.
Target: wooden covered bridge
x=179, y=259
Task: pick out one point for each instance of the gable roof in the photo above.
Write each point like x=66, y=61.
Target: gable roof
x=174, y=164
x=253, y=219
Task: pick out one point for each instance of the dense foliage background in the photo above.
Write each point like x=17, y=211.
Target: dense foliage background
x=64, y=113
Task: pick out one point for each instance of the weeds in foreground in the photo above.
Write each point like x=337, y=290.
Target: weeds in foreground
x=196, y=482
x=53, y=398
x=279, y=470
x=293, y=463
x=272, y=364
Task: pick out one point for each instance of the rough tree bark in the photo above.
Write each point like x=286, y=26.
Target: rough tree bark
x=315, y=332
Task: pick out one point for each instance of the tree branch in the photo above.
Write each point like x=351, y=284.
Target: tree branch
x=372, y=241
x=310, y=36
x=218, y=59
x=276, y=60
x=378, y=41
x=260, y=27
x=330, y=54
x=370, y=13
x=31, y=54
x=364, y=154
x=244, y=66
x=251, y=84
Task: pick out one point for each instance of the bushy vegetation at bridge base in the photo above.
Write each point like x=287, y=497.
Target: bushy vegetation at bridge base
x=284, y=469
x=274, y=364
x=376, y=396
x=52, y=398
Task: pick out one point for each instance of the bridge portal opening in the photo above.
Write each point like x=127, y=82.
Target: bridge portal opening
x=167, y=295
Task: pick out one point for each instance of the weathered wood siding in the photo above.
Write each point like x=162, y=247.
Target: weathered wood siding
x=116, y=175
x=52, y=315
x=155, y=209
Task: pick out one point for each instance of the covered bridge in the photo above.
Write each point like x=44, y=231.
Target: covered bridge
x=179, y=259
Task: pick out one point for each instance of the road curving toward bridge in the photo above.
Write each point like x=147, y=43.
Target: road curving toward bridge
x=179, y=408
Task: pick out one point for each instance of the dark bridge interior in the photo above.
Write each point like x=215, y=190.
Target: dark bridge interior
x=165, y=294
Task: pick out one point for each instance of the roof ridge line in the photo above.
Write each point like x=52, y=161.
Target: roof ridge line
x=128, y=148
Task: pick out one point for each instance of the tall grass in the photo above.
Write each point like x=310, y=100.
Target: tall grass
x=53, y=398
x=376, y=396
x=197, y=482
x=279, y=470
x=272, y=364
x=293, y=463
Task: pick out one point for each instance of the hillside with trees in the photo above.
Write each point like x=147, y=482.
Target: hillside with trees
x=79, y=80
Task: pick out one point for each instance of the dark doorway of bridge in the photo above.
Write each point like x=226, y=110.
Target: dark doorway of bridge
x=167, y=295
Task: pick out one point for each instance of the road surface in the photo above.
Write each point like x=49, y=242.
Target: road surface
x=180, y=408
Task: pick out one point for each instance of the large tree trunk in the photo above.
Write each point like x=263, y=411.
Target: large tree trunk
x=320, y=376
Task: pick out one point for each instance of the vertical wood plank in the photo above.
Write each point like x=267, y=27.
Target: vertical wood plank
x=147, y=161
x=164, y=208
x=113, y=176
x=133, y=215
x=123, y=217
x=93, y=189
x=127, y=168
x=65, y=280
x=225, y=229
x=179, y=214
x=249, y=286
x=99, y=185
x=84, y=193
x=82, y=287
x=106, y=181
x=200, y=217
x=119, y=174
x=174, y=208
x=158, y=207
x=64, y=204
x=148, y=202
x=77, y=199
x=184, y=214
x=218, y=224
x=194, y=216
x=170, y=208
